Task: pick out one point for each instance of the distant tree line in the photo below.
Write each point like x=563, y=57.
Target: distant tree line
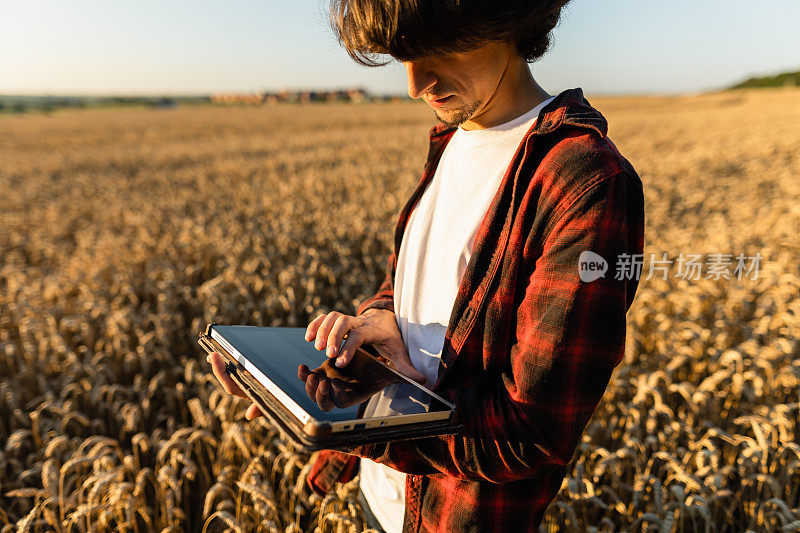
x=785, y=79
x=23, y=103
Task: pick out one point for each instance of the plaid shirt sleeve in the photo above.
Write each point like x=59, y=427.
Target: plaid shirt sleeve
x=384, y=298
x=569, y=337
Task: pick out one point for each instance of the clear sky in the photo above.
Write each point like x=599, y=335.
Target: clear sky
x=148, y=46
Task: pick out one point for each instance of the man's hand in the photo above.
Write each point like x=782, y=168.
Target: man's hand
x=230, y=386
x=377, y=327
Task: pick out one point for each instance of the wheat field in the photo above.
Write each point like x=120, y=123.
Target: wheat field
x=124, y=231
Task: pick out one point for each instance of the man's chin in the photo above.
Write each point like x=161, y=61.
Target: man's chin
x=451, y=118
x=456, y=117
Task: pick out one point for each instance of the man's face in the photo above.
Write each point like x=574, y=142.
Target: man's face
x=459, y=86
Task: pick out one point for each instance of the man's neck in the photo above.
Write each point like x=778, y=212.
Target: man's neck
x=516, y=94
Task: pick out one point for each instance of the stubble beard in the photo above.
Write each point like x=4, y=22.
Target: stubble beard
x=458, y=117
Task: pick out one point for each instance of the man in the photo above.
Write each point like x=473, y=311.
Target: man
x=483, y=299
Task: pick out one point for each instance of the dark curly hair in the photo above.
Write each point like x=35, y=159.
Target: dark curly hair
x=410, y=29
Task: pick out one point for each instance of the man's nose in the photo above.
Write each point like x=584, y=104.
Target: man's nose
x=420, y=78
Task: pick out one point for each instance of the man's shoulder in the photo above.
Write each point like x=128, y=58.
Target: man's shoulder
x=576, y=160
x=574, y=151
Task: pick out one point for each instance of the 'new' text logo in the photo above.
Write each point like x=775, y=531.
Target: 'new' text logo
x=591, y=266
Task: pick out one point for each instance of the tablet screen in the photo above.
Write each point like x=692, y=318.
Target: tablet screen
x=273, y=355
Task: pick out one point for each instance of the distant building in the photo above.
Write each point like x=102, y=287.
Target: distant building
x=353, y=95
x=357, y=95
x=237, y=98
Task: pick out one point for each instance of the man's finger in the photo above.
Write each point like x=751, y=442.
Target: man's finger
x=313, y=326
x=341, y=326
x=253, y=412
x=348, y=350
x=218, y=367
x=325, y=329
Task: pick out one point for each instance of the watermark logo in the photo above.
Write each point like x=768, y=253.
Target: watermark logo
x=591, y=266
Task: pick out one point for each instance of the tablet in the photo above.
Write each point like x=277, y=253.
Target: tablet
x=264, y=362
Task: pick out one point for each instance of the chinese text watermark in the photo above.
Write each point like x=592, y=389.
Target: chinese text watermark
x=592, y=266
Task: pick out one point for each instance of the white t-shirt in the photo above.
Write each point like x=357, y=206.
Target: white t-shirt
x=434, y=253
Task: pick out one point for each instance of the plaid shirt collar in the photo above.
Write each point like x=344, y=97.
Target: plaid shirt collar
x=569, y=107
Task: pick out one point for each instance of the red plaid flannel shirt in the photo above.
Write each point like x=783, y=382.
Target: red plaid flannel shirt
x=530, y=348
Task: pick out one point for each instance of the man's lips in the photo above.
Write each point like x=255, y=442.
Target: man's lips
x=439, y=102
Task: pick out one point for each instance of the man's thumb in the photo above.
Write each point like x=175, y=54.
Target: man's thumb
x=407, y=369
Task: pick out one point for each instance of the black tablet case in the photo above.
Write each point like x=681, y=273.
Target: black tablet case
x=318, y=436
